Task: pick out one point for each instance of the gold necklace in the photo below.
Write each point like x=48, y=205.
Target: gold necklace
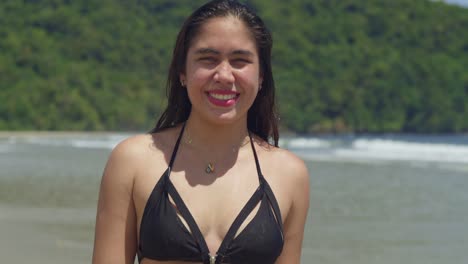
x=210, y=166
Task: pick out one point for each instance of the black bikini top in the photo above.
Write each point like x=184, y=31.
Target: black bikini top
x=164, y=237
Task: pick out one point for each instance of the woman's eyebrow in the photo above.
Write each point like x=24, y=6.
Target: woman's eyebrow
x=203, y=51
x=242, y=52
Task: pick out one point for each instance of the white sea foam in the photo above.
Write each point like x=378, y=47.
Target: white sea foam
x=108, y=141
x=405, y=151
x=307, y=143
x=359, y=149
x=373, y=150
x=93, y=144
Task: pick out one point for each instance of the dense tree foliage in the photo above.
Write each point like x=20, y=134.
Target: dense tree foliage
x=340, y=65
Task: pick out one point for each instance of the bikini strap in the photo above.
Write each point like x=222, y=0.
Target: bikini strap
x=194, y=229
x=274, y=205
x=246, y=210
x=267, y=188
x=176, y=147
x=184, y=211
x=259, y=171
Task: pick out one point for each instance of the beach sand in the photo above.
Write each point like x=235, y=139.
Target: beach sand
x=45, y=235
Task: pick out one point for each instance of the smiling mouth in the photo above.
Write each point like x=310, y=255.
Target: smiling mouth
x=223, y=98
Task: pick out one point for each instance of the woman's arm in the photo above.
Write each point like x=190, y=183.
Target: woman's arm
x=115, y=235
x=295, y=220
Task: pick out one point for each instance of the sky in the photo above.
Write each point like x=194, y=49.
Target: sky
x=458, y=2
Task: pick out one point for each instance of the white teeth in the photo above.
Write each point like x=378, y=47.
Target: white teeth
x=223, y=96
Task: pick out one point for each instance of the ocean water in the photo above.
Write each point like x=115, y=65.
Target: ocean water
x=374, y=199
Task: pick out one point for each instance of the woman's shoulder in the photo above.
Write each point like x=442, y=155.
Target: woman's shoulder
x=142, y=143
x=132, y=145
x=127, y=154
x=134, y=154
x=138, y=146
x=284, y=163
x=288, y=176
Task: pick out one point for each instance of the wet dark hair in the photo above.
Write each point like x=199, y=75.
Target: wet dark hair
x=262, y=116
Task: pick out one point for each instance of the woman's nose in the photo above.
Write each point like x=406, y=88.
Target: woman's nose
x=224, y=73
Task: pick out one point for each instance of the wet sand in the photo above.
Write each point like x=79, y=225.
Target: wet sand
x=45, y=235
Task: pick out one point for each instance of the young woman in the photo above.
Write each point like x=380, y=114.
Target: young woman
x=209, y=184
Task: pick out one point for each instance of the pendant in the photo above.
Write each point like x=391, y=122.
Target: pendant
x=209, y=168
x=212, y=259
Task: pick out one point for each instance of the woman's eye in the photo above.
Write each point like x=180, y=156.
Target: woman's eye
x=240, y=62
x=207, y=59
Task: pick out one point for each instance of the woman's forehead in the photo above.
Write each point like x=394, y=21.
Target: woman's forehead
x=224, y=33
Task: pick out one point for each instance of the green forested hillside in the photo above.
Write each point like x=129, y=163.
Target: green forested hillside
x=339, y=65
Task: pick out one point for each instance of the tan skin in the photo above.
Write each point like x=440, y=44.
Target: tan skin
x=218, y=134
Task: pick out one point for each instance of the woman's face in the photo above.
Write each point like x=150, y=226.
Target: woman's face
x=222, y=73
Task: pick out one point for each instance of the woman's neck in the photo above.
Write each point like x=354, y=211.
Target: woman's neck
x=214, y=137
